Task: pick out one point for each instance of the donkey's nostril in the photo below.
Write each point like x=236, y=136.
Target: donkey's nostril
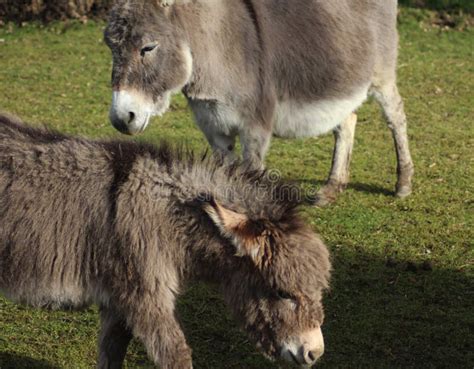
x=131, y=116
x=312, y=356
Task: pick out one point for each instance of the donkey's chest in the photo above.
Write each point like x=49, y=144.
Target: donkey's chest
x=297, y=119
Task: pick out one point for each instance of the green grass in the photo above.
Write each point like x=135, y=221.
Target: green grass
x=465, y=5
x=402, y=294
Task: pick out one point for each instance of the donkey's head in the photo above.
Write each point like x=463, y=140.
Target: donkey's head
x=283, y=269
x=151, y=61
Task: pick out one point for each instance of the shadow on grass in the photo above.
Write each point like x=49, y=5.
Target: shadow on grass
x=380, y=313
x=370, y=188
x=10, y=360
x=391, y=313
x=315, y=185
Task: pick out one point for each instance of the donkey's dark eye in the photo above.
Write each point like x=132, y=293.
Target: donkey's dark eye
x=284, y=295
x=148, y=48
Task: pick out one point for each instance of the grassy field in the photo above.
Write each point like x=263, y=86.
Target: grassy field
x=402, y=293
x=449, y=5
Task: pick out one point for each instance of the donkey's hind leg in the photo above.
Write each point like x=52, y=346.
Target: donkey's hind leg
x=113, y=341
x=389, y=98
x=339, y=175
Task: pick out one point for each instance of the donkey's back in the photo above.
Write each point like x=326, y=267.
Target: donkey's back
x=329, y=50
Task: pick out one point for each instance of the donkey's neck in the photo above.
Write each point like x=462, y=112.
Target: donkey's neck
x=215, y=261
x=205, y=25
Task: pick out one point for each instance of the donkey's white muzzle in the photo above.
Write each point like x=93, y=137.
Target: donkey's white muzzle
x=305, y=349
x=131, y=110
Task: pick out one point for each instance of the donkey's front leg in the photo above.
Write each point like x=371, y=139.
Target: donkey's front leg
x=339, y=175
x=155, y=324
x=221, y=144
x=255, y=142
x=113, y=341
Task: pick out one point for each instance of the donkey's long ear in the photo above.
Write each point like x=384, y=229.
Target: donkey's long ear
x=248, y=236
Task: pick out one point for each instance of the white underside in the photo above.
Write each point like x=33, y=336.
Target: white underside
x=299, y=120
x=57, y=296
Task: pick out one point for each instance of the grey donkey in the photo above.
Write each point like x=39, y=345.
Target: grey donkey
x=257, y=68
x=127, y=226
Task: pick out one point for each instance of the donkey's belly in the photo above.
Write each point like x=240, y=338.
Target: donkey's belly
x=297, y=120
x=52, y=296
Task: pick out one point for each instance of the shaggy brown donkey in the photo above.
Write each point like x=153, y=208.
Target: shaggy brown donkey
x=126, y=225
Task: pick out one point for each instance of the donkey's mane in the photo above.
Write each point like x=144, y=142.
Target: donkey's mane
x=189, y=176
x=200, y=176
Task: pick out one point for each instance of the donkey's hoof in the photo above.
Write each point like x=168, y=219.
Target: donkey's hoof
x=403, y=191
x=322, y=201
x=326, y=196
